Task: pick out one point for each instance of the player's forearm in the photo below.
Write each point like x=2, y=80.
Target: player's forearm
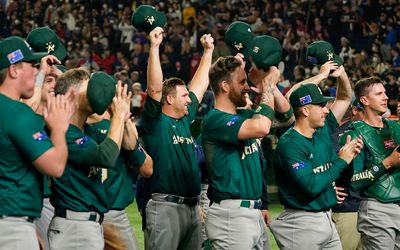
x=344, y=91
x=322, y=177
x=200, y=79
x=367, y=177
x=281, y=103
x=315, y=79
x=130, y=137
x=154, y=74
x=60, y=154
x=116, y=130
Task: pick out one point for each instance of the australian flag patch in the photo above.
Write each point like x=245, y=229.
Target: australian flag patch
x=298, y=165
x=40, y=136
x=232, y=121
x=15, y=56
x=82, y=140
x=305, y=100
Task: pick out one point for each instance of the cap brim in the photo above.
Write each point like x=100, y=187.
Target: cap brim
x=60, y=52
x=35, y=57
x=338, y=60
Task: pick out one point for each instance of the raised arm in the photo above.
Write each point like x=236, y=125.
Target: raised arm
x=200, y=79
x=154, y=71
x=57, y=115
x=259, y=125
x=343, y=94
x=322, y=75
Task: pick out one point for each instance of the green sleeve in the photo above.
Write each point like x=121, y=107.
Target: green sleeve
x=222, y=127
x=294, y=160
x=28, y=134
x=136, y=157
x=193, y=107
x=151, y=116
x=365, y=174
x=87, y=152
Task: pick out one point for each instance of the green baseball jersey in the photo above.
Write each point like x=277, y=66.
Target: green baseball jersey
x=306, y=168
x=233, y=165
x=169, y=142
x=118, y=180
x=46, y=179
x=370, y=176
x=80, y=188
x=22, y=140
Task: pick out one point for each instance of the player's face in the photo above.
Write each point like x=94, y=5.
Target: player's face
x=27, y=72
x=48, y=86
x=238, y=88
x=181, y=101
x=376, y=99
x=317, y=115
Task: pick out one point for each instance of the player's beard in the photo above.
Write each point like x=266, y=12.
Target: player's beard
x=239, y=100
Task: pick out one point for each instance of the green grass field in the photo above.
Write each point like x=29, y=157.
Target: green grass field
x=136, y=221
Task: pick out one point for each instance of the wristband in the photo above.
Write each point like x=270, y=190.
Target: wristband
x=284, y=116
x=265, y=110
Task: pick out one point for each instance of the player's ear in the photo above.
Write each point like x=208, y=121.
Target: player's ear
x=364, y=100
x=305, y=110
x=169, y=99
x=224, y=86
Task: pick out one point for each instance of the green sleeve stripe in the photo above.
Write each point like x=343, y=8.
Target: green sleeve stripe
x=265, y=110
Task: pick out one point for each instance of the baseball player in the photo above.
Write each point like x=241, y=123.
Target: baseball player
x=27, y=149
x=306, y=165
x=43, y=39
x=376, y=171
x=346, y=211
x=78, y=196
x=172, y=214
x=118, y=185
x=234, y=220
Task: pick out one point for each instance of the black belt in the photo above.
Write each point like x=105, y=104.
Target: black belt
x=191, y=202
x=30, y=219
x=73, y=215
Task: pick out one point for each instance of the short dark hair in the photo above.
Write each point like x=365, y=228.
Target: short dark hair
x=221, y=70
x=72, y=77
x=3, y=74
x=169, y=87
x=361, y=86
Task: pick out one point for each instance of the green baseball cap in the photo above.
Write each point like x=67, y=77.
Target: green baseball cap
x=308, y=93
x=60, y=67
x=14, y=49
x=319, y=52
x=266, y=51
x=146, y=18
x=238, y=36
x=44, y=39
x=101, y=91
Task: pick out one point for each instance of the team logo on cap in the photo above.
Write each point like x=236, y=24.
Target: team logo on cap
x=238, y=46
x=15, y=56
x=305, y=100
x=256, y=49
x=330, y=55
x=50, y=47
x=312, y=59
x=150, y=19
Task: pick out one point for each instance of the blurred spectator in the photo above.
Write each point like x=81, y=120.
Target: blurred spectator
x=392, y=91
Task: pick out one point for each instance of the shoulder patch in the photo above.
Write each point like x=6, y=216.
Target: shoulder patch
x=298, y=165
x=40, y=136
x=233, y=120
x=82, y=140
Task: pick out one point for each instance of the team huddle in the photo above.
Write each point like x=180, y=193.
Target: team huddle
x=69, y=146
